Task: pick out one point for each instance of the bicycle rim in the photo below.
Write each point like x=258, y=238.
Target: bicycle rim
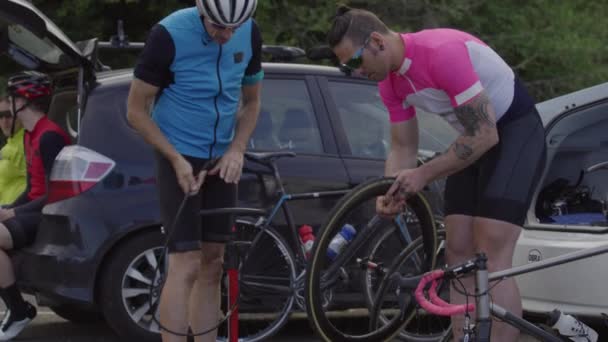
x=266, y=278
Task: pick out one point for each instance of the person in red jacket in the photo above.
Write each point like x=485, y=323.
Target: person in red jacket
x=30, y=93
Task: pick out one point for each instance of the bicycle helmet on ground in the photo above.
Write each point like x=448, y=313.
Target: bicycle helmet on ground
x=229, y=13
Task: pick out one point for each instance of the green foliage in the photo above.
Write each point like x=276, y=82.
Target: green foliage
x=555, y=46
x=296, y=23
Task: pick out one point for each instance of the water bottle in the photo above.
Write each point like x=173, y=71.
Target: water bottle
x=346, y=234
x=570, y=327
x=307, y=238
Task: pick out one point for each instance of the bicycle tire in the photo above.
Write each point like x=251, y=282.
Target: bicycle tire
x=366, y=191
x=427, y=333
x=270, y=245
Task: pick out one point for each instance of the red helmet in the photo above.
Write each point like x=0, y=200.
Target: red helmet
x=30, y=85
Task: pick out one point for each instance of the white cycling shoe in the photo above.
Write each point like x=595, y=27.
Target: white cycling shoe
x=12, y=326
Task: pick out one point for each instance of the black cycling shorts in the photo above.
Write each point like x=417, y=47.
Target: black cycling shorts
x=501, y=183
x=191, y=228
x=23, y=228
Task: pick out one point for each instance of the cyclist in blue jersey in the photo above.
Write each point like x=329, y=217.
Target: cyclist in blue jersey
x=197, y=65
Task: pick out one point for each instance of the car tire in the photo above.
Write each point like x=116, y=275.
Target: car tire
x=119, y=314
x=77, y=315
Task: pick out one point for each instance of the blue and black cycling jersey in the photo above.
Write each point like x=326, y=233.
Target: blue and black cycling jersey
x=201, y=80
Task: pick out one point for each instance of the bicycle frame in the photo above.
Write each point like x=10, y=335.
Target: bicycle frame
x=282, y=204
x=485, y=309
x=266, y=217
x=363, y=235
x=547, y=263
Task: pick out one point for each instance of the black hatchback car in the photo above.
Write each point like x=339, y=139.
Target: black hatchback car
x=102, y=225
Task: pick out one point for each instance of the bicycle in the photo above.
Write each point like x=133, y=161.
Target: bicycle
x=408, y=290
x=272, y=266
x=483, y=307
x=324, y=274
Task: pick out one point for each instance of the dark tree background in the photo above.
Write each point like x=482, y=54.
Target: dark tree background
x=555, y=46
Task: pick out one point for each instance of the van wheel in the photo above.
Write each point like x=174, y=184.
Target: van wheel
x=125, y=287
x=77, y=315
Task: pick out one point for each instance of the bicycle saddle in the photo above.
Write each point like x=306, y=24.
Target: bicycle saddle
x=265, y=157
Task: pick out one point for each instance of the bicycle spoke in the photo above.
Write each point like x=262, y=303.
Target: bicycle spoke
x=266, y=277
x=269, y=288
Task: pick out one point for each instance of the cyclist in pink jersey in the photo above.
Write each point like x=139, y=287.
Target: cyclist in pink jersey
x=492, y=167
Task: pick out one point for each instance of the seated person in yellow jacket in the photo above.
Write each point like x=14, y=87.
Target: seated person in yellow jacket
x=12, y=157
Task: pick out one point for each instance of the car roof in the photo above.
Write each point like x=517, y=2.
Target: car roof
x=125, y=75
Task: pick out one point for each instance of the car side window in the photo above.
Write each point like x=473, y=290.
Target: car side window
x=364, y=118
x=287, y=120
x=367, y=126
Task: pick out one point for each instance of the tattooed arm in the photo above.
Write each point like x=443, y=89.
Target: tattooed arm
x=479, y=121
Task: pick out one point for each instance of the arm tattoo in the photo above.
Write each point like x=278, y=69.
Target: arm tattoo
x=463, y=151
x=474, y=115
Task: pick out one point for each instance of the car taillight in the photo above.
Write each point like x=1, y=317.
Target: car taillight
x=75, y=170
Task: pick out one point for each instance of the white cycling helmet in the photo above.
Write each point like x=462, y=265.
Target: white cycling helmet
x=229, y=13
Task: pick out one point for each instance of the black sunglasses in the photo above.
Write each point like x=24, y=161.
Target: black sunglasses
x=5, y=114
x=356, y=60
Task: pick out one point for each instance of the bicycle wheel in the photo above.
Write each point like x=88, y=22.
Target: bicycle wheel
x=266, y=277
x=423, y=327
x=358, y=208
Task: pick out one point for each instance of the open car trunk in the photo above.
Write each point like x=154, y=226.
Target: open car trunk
x=574, y=187
x=568, y=211
x=32, y=40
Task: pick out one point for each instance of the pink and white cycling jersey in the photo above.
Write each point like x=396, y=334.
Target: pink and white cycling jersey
x=443, y=69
